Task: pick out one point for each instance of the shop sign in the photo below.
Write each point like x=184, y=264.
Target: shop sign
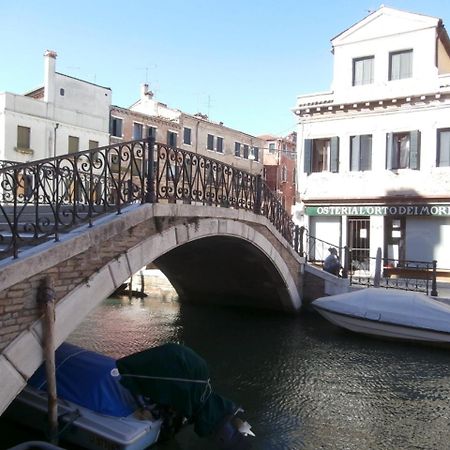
x=386, y=210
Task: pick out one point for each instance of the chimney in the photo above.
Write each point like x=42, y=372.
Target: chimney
x=49, y=76
x=145, y=92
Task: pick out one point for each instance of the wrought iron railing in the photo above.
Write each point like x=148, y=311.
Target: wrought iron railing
x=41, y=199
x=405, y=274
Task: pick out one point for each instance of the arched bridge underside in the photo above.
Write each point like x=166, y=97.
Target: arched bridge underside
x=210, y=254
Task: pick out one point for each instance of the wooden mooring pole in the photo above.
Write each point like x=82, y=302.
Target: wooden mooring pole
x=46, y=299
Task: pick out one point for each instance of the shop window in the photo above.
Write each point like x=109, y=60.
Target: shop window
x=116, y=127
x=363, y=70
x=361, y=152
x=137, y=130
x=187, y=132
x=321, y=155
x=400, y=65
x=403, y=150
x=443, y=148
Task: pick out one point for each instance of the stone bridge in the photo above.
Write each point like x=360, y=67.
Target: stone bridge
x=211, y=253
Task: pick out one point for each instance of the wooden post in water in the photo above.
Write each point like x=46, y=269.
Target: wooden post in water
x=46, y=299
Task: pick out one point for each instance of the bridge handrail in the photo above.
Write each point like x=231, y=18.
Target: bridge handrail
x=41, y=199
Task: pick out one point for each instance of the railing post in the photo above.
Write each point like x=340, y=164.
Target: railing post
x=347, y=258
x=150, y=181
x=296, y=237
x=257, y=205
x=434, y=292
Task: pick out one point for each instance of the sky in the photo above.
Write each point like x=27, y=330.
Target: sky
x=241, y=62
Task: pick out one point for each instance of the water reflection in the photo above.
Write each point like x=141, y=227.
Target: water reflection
x=303, y=383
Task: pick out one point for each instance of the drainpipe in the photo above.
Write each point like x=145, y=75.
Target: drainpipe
x=54, y=139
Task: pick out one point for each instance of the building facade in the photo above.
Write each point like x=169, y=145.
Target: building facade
x=280, y=167
x=195, y=133
x=374, y=151
x=65, y=115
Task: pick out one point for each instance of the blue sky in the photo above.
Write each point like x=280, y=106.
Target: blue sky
x=242, y=62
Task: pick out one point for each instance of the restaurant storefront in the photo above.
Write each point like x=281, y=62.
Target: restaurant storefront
x=419, y=232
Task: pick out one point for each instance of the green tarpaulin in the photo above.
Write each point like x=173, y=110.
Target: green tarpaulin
x=175, y=376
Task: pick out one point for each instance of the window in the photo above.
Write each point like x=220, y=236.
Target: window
x=74, y=144
x=361, y=152
x=272, y=147
x=284, y=174
x=138, y=130
x=245, y=151
x=187, y=136
x=443, y=148
x=237, y=149
x=321, y=155
x=363, y=70
x=210, y=142
x=172, y=138
x=116, y=127
x=256, y=153
x=93, y=144
x=61, y=92
x=403, y=150
x=400, y=65
x=23, y=137
x=294, y=176
x=219, y=144
x=151, y=132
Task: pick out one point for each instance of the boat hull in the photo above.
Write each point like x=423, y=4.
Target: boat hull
x=84, y=428
x=384, y=329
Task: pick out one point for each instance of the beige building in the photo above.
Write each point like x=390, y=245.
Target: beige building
x=195, y=133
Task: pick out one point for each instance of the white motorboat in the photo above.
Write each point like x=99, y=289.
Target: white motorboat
x=393, y=314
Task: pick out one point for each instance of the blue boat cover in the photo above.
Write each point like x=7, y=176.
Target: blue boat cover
x=84, y=377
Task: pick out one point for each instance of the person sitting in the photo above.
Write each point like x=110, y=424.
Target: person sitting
x=332, y=264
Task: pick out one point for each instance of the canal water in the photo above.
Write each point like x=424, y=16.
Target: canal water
x=303, y=383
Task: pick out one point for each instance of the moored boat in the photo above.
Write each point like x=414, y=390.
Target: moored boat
x=393, y=314
x=131, y=403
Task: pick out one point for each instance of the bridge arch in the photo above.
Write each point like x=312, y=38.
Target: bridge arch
x=107, y=254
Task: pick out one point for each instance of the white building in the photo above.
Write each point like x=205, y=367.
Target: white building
x=65, y=115
x=374, y=151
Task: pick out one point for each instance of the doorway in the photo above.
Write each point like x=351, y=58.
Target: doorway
x=358, y=240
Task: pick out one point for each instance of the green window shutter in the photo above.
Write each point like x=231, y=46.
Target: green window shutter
x=334, y=154
x=308, y=155
x=390, y=153
x=414, y=154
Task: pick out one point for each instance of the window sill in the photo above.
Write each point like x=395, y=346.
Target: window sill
x=24, y=151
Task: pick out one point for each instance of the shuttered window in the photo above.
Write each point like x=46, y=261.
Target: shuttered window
x=220, y=145
x=172, y=138
x=237, y=149
x=361, y=152
x=210, y=142
x=23, y=137
x=363, y=70
x=400, y=65
x=245, y=151
x=321, y=155
x=137, y=130
x=73, y=144
x=403, y=150
x=443, y=148
x=187, y=132
x=256, y=153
